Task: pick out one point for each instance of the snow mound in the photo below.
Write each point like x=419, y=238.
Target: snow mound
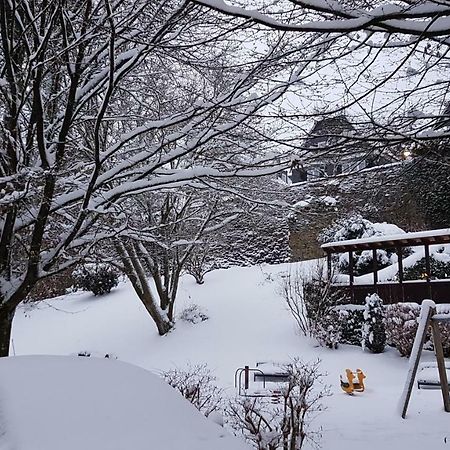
x=73, y=403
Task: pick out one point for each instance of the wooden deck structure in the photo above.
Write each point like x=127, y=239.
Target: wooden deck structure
x=402, y=290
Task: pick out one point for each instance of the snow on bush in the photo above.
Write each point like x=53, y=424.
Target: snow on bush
x=287, y=424
x=401, y=325
x=351, y=320
x=328, y=330
x=197, y=384
x=374, y=333
x=96, y=278
x=311, y=301
x=194, y=314
x=356, y=227
x=439, y=269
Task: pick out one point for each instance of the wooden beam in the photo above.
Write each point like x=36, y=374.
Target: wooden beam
x=375, y=266
x=329, y=268
x=350, y=271
x=428, y=269
x=350, y=267
x=438, y=350
x=414, y=359
x=400, y=271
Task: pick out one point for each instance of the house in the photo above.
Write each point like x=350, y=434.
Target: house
x=331, y=149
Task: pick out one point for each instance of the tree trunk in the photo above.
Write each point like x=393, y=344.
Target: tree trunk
x=138, y=278
x=6, y=319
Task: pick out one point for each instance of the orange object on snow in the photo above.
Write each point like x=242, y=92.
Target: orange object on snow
x=353, y=384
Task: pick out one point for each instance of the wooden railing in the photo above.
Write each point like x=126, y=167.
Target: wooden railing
x=392, y=292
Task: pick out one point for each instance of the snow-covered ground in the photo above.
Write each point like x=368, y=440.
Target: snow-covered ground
x=74, y=403
x=248, y=323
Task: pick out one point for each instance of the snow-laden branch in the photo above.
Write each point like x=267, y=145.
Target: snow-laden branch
x=425, y=19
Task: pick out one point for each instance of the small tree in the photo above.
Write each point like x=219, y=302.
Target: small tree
x=374, y=332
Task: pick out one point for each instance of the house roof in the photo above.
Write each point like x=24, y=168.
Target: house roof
x=430, y=237
x=328, y=129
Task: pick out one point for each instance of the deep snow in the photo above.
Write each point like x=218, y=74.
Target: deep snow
x=248, y=323
x=74, y=403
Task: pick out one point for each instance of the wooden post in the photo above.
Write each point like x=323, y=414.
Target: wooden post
x=428, y=269
x=419, y=341
x=329, y=269
x=350, y=270
x=400, y=272
x=375, y=266
x=440, y=362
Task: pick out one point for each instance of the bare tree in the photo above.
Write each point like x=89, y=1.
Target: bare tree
x=84, y=126
x=159, y=242
x=387, y=67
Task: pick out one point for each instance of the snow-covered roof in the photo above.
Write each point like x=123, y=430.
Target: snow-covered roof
x=72, y=403
x=430, y=237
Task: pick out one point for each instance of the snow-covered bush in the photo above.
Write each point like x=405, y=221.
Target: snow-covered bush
x=356, y=227
x=200, y=263
x=439, y=269
x=327, y=331
x=311, y=300
x=401, y=325
x=96, y=278
x=374, y=333
x=193, y=314
x=197, y=384
x=351, y=321
x=284, y=425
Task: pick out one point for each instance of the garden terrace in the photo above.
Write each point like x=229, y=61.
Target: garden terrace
x=393, y=291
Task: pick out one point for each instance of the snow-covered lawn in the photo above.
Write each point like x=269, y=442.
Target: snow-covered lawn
x=248, y=323
x=73, y=403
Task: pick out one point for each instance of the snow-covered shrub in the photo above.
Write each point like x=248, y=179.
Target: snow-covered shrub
x=439, y=269
x=327, y=331
x=53, y=286
x=200, y=263
x=374, y=332
x=356, y=227
x=197, y=384
x=193, y=314
x=311, y=301
x=96, y=278
x=401, y=325
x=285, y=425
x=351, y=321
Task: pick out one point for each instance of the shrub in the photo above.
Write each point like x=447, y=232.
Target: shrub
x=286, y=425
x=439, y=270
x=193, y=314
x=374, y=333
x=53, y=286
x=351, y=320
x=327, y=331
x=197, y=385
x=96, y=278
x=311, y=302
x=356, y=227
x=401, y=325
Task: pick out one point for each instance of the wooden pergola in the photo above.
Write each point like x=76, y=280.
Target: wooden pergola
x=391, y=292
